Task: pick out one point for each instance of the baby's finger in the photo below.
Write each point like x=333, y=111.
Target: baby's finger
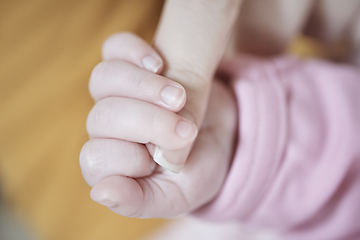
x=101, y=158
x=142, y=198
x=138, y=121
x=129, y=47
x=123, y=79
x=121, y=194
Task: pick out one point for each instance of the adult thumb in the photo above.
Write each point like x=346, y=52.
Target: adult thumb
x=191, y=38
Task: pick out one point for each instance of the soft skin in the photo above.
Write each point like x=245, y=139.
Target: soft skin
x=116, y=161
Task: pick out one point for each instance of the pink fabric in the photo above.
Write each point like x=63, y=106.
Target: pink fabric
x=297, y=163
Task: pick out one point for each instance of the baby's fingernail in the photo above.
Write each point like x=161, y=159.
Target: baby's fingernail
x=152, y=64
x=186, y=129
x=103, y=198
x=172, y=96
x=162, y=161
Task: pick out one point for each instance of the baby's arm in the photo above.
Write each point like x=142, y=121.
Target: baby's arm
x=297, y=165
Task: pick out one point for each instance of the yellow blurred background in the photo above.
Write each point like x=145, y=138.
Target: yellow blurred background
x=47, y=51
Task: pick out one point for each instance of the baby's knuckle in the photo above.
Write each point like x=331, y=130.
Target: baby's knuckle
x=96, y=166
x=91, y=164
x=142, y=84
x=98, y=71
x=103, y=112
x=96, y=160
x=97, y=77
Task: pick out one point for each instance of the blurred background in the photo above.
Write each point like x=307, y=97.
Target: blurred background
x=48, y=49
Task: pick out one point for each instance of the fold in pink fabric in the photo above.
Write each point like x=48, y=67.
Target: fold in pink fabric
x=296, y=168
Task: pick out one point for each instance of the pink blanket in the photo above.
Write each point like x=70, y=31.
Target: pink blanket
x=297, y=164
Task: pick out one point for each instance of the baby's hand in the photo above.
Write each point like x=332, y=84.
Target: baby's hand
x=134, y=116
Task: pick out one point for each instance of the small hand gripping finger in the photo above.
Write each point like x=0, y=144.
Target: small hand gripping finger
x=163, y=194
x=141, y=122
x=119, y=75
x=129, y=71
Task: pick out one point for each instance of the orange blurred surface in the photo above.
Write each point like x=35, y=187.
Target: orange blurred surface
x=47, y=52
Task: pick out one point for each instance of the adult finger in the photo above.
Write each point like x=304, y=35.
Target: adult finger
x=123, y=79
x=191, y=39
x=138, y=121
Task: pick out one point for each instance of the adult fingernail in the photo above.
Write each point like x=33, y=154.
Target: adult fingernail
x=160, y=159
x=152, y=64
x=186, y=129
x=103, y=198
x=172, y=96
